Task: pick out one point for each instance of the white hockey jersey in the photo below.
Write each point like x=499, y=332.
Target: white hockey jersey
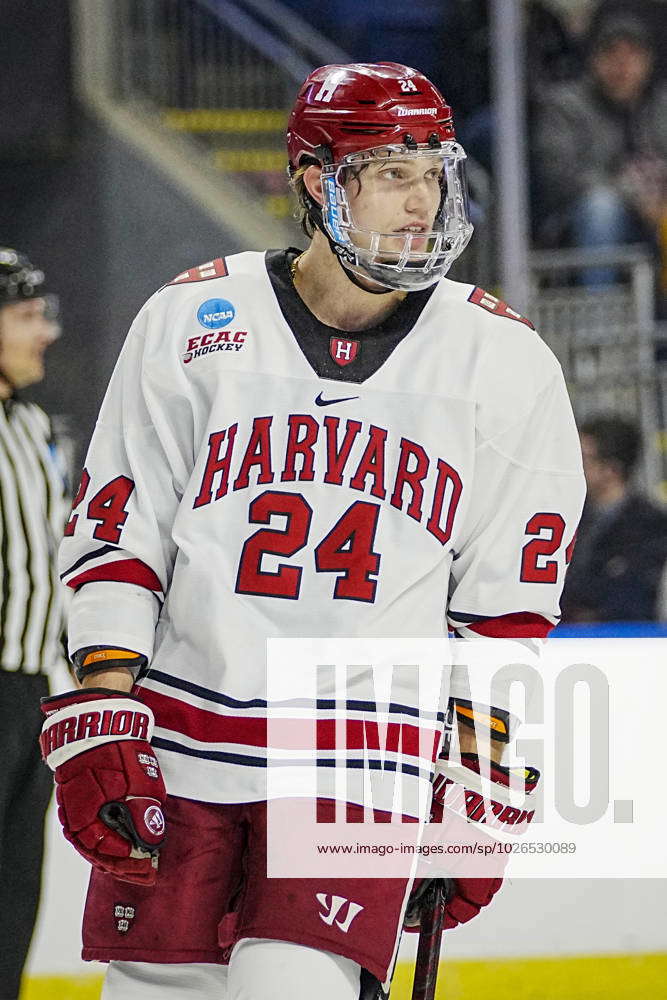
x=256, y=474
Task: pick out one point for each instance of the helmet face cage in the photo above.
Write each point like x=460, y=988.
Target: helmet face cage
x=403, y=260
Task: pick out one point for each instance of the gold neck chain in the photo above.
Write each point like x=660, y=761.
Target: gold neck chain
x=294, y=266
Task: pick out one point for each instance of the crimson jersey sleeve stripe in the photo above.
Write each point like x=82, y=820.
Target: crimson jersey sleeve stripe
x=104, y=550
x=201, y=724
x=217, y=698
x=517, y=625
x=205, y=726
x=120, y=571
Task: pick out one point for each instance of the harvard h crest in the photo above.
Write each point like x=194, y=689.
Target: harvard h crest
x=343, y=351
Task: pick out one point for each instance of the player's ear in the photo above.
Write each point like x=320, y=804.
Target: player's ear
x=312, y=178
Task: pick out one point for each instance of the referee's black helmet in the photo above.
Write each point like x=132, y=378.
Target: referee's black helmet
x=19, y=278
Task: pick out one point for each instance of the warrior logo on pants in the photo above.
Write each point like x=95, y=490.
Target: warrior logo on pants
x=334, y=907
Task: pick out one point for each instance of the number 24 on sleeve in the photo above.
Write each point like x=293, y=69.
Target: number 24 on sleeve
x=547, y=530
x=108, y=507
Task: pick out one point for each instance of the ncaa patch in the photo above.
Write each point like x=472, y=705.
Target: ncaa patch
x=215, y=313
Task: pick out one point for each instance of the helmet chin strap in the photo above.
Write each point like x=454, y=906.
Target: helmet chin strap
x=351, y=276
x=315, y=216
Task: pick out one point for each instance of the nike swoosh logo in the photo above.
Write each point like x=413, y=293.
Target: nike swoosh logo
x=328, y=402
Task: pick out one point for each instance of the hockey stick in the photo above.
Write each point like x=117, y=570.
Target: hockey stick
x=432, y=914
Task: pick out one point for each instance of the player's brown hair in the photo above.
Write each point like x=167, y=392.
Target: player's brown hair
x=298, y=189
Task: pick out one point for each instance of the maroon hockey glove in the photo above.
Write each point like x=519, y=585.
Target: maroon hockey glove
x=109, y=787
x=469, y=897
x=467, y=810
x=460, y=790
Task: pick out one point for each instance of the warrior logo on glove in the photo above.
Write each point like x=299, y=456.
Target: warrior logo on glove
x=154, y=820
x=461, y=790
x=469, y=799
x=109, y=788
x=75, y=727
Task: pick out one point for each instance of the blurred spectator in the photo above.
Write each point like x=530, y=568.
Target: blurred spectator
x=651, y=12
x=621, y=549
x=600, y=164
x=465, y=73
x=576, y=14
x=32, y=516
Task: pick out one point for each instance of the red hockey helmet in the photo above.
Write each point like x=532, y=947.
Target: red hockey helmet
x=361, y=116
x=345, y=109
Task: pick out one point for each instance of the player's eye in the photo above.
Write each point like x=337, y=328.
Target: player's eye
x=392, y=174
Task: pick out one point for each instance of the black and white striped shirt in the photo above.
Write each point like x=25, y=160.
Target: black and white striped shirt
x=33, y=509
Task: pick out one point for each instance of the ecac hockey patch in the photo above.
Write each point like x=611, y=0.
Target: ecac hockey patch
x=210, y=343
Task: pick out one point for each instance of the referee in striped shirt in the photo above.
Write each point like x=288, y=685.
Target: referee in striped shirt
x=32, y=512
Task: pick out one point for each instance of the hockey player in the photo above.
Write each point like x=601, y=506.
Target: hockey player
x=339, y=442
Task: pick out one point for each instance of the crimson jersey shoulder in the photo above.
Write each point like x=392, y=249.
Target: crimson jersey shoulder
x=215, y=290
x=216, y=268
x=508, y=365
x=249, y=262
x=500, y=338
x=492, y=304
